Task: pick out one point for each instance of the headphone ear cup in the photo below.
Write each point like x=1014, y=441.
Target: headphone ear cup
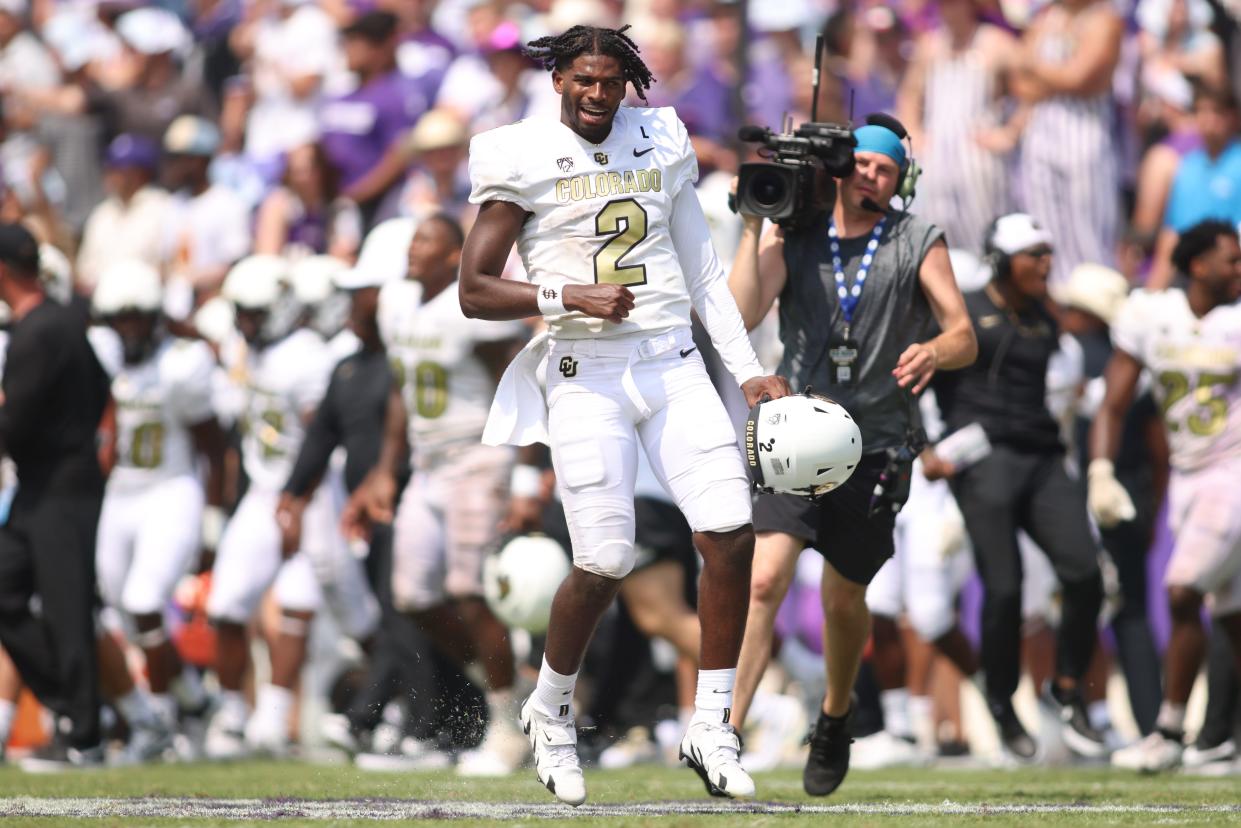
x=908, y=186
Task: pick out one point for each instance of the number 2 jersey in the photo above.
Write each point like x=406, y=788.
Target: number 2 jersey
x=601, y=212
x=446, y=388
x=158, y=400
x=1195, y=366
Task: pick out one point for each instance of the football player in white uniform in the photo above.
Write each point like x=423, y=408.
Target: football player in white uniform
x=282, y=371
x=1189, y=339
x=150, y=524
x=446, y=367
x=602, y=208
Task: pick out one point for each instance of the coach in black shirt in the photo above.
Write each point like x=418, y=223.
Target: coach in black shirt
x=1022, y=483
x=55, y=393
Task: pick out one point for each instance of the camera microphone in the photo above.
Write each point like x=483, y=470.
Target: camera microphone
x=872, y=206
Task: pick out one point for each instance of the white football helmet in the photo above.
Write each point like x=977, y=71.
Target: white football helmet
x=128, y=286
x=314, y=286
x=803, y=444
x=521, y=580
x=261, y=283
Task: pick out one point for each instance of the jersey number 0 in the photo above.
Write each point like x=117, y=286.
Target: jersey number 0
x=624, y=222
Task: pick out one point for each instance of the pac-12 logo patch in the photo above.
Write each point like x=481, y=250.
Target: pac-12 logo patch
x=565, y=164
x=601, y=158
x=568, y=366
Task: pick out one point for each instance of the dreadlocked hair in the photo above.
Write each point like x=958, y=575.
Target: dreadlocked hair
x=557, y=52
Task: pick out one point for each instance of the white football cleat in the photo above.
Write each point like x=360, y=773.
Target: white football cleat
x=712, y=750
x=886, y=750
x=226, y=735
x=148, y=743
x=554, y=742
x=1152, y=754
x=267, y=737
x=410, y=755
x=500, y=753
x=1219, y=757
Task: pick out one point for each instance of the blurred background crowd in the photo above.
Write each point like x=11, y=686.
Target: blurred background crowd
x=192, y=135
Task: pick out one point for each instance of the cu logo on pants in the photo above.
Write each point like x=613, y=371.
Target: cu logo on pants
x=568, y=367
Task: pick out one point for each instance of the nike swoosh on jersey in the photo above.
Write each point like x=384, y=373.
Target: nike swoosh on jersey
x=637, y=154
x=688, y=351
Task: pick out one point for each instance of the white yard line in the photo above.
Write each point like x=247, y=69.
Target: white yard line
x=393, y=809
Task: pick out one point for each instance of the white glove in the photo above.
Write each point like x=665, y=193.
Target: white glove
x=1107, y=500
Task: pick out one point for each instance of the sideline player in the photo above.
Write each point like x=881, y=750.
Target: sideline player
x=446, y=368
x=1189, y=339
x=602, y=208
x=153, y=506
x=281, y=372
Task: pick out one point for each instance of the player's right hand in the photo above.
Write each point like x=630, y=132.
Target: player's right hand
x=1106, y=498
x=370, y=503
x=935, y=467
x=610, y=302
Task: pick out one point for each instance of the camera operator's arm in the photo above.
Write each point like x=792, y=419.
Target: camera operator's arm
x=758, y=273
x=956, y=346
x=708, y=289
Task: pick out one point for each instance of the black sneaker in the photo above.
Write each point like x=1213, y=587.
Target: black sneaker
x=829, y=754
x=1012, y=734
x=1078, y=735
x=58, y=757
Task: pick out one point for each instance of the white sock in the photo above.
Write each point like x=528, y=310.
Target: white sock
x=895, y=704
x=165, y=707
x=1100, y=718
x=8, y=712
x=553, y=695
x=136, y=707
x=1171, y=717
x=233, y=705
x=273, y=703
x=922, y=720
x=714, y=699
x=188, y=690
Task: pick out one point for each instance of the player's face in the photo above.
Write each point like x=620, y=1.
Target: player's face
x=591, y=89
x=1030, y=269
x=1220, y=269
x=136, y=331
x=249, y=323
x=873, y=180
x=433, y=255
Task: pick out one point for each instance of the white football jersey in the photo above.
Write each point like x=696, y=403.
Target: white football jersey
x=600, y=212
x=446, y=388
x=281, y=384
x=157, y=401
x=1194, y=366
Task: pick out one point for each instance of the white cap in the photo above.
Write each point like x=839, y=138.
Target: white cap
x=1016, y=232
x=314, y=278
x=385, y=250
x=1094, y=289
x=256, y=281
x=971, y=274
x=356, y=278
x=128, y=285
x=152, y=31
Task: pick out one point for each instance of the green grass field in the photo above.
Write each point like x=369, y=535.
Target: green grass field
x=314, y=795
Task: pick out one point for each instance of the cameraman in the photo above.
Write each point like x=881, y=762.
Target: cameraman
x=1022, y=483
x=860, y=289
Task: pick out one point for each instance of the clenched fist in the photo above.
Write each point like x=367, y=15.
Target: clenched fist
x=610, y=302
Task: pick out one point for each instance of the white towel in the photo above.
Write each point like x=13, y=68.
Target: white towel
x=518, y=415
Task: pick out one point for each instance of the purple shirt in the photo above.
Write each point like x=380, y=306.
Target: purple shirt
x=704, y=105
x=359, y=127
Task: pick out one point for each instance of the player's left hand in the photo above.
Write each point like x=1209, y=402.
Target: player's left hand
x=773, y=387
x=916, y=367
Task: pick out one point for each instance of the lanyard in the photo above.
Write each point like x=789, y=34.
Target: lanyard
x=849, y=296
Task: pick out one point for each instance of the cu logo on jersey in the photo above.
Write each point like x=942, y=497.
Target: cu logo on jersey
x=601, y=158
x=568, y=367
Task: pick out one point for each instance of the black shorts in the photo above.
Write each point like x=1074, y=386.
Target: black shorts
x=838, y=524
